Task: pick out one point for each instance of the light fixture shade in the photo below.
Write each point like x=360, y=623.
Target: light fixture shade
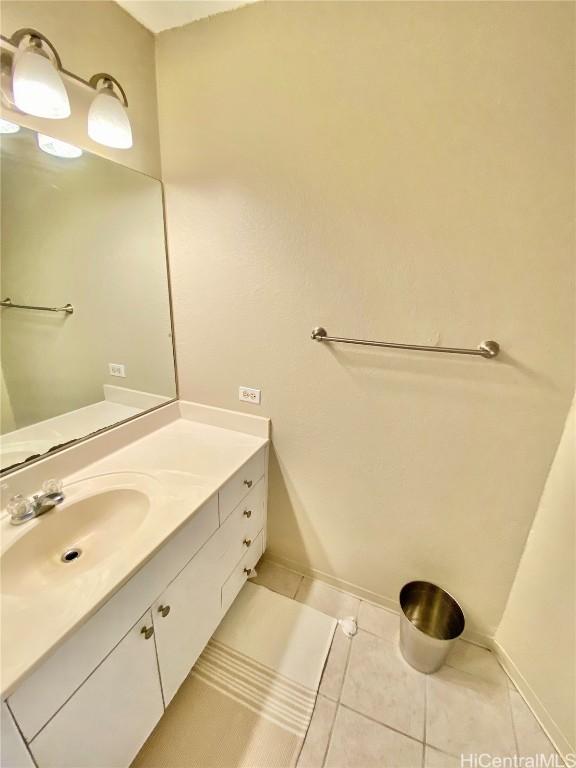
x=57, y=148
x=37, y=86
x=7, y=127
x=108, y=123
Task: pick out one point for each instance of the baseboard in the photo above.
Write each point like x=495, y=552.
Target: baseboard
x=563, y=747
x=391, y=604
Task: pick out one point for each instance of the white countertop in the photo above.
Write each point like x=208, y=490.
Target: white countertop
x=179, y=466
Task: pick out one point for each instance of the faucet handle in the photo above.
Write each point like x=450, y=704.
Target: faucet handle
x=19, y=508
x=52, y=486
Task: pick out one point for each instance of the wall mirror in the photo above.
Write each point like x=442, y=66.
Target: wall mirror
x=85, y=317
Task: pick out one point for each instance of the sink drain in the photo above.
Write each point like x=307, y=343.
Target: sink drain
x=70, y=555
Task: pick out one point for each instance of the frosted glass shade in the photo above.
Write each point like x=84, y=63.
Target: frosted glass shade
x=7, y=127
x=37, y=86
x=57, y=148
x=108, y=123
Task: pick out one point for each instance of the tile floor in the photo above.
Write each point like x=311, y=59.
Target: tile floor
x=375, y=711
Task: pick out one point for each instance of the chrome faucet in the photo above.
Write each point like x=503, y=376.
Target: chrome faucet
x=22, y=509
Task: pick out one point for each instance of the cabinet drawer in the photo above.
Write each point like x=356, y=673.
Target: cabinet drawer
x=245, y=522
x=110, y=717
x=239, y=575
x=240, y=484
x=47, y=688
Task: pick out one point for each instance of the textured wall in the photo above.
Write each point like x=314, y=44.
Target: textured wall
x=538, y=628
x=389, y=170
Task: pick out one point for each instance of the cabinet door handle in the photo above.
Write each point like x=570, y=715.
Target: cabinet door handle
x=248, y=483
x=164, y=610
x=247, y=542
x=147, y=632
x=247, y=513
x=248, y=571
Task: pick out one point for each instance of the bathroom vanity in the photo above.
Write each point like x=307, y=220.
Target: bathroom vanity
x=110, y=595
x=109, y=599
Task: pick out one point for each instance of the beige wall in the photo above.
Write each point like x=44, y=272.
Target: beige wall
x=94, y=37
x=538, y=629
x=389, y=170
x=7, y=423
x=91, y=233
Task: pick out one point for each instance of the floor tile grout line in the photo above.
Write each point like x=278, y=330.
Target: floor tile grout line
x=442, y=751
x=482, y=678
x=307, y=730
x=329, y=742
x=293, y=597
x=514, y=732
x=383, y=725
x=425, y=721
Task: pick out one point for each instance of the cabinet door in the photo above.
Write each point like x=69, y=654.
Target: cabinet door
x=111, y=715
x=185, y=617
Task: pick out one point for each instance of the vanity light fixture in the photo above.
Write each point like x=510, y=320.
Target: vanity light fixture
x=58, y=148
x=36, y=81
x=7, y=127
x=38, y=89
x=108, y=123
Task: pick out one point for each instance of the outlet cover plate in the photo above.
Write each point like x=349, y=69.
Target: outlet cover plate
x=249, y=395
x=117, y=369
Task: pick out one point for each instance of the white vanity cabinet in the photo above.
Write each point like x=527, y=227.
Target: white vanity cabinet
x=185, y=616
x=112, y=714
x=96, y=698
x=188, y=611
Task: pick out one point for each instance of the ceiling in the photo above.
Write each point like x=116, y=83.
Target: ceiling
x=158, y=15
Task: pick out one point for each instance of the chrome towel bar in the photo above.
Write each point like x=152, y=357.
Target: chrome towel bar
x=8, y=304
x=487, y=349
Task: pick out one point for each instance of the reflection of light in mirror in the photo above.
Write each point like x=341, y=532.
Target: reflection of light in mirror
x=57, y=148
x=7, y=127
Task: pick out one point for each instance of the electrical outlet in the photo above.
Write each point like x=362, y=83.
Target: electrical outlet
x=117, y=369
x=249, y=395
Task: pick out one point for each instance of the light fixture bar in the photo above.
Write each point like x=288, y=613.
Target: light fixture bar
x=8, y=44
x=97, y=80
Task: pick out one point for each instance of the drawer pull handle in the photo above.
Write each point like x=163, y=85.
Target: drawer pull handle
x=247, y=542
x=248, y=571
x=147, y=632
x=164, y=610
x=247, y=513
x=248, y=483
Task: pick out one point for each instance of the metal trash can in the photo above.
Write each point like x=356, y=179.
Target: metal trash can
x=431, y=621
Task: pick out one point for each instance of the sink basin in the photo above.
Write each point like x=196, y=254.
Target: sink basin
x=71, y=539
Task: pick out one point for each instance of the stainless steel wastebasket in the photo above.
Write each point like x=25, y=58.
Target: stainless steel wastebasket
x=431, y=621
